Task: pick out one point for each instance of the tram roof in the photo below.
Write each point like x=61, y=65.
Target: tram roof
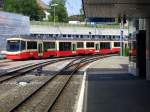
x=116, y=8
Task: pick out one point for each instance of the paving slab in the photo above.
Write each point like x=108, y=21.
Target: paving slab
x=115, y=64
x=109, y=88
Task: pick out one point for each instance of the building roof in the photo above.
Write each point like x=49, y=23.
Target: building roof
x=115, y=8
x=42, y=4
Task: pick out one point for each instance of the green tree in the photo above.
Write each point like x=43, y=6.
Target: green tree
x=76, y=18
x=82, y=16
x=61, y=14
x=26, y=7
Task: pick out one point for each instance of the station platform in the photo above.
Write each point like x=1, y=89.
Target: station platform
x=110, y=88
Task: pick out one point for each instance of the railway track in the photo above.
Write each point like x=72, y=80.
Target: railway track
x=43, y=97
x=5, y=61
x=16, y=72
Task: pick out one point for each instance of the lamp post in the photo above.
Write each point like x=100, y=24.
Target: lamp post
x=54, y=5
x=90, y=35
x=121, y=37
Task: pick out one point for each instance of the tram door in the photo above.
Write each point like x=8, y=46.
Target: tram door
x=74, y=48
x=97, y=48
x=40, y=49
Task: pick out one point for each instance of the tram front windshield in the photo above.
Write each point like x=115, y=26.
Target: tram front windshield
x=13, y=45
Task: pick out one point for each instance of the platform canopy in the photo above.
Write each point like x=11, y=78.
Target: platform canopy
x=116, y=8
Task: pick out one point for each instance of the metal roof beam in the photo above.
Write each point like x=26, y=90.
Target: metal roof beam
x=115, y=8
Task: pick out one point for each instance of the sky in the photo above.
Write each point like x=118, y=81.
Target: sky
x=73, y=6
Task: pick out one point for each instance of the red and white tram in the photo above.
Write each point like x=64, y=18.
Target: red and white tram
x=24, y=48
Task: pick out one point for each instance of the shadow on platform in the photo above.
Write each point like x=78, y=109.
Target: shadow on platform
x=120, y=92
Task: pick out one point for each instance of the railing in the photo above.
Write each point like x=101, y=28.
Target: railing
x=99, y=25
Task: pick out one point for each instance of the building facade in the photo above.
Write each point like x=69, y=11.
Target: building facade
x=137, y=13
x=12, y=24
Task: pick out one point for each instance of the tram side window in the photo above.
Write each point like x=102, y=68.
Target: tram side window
x=105, y=45
x=79, y=44
x=69, y=35
x=116, y=44
x=32, y=45
x=23, y=45
x=81, y=36
x=89, y=44
x=77, y=36
x=64, y=35
x=49, y=45
x=65, y=46
x=45, y=46
x=102, y=46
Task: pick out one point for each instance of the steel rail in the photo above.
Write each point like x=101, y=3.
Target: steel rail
x=77, y=66
x=12, y=109
x=24, y=70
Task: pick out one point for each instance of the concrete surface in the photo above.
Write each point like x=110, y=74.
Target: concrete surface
x=115, y=64
x=107, y=90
